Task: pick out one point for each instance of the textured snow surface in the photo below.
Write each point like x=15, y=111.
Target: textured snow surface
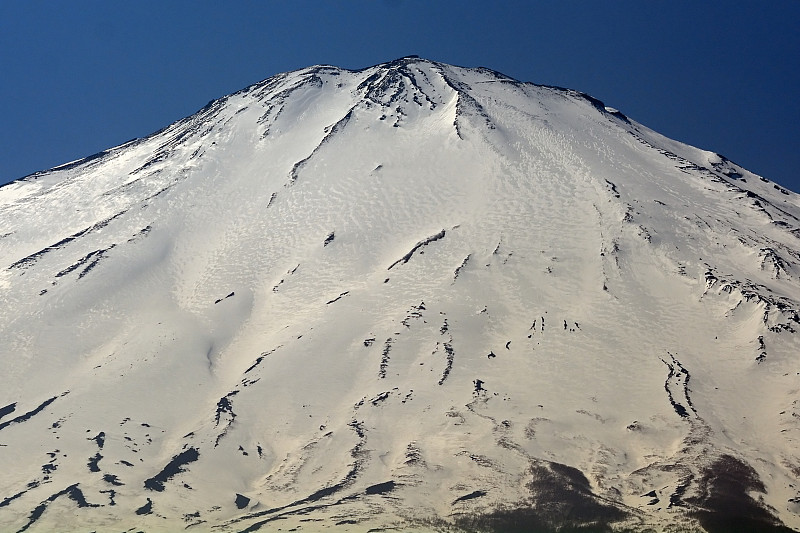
x=410, y=296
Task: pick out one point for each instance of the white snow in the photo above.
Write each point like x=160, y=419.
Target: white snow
x=176, y=294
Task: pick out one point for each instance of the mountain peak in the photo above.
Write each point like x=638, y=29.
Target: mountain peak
x=405, y=295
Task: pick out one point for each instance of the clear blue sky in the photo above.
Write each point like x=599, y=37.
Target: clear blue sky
x=78, y=77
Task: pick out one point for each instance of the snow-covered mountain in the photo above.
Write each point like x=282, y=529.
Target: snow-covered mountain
x=415, y=296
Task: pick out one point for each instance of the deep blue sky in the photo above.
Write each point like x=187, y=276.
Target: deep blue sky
x=78, y=77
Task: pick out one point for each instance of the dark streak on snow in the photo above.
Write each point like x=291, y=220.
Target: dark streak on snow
x=470, y=496
x=460, y=267
x=29, y=414
x=387, y=347
x=144, y=231
x=92, y=258
x=281, y=512
x=342, y=295
x=72, y=492
x=8, y=409
x=10, y=499
x=416, y=247
x=414, y=313
x=653, y=497
x=28, y=261
x=679, y=376
x=228, y=296
x=380, y=397
x=451, y=354
x=333, y=130
x=111, y=495
x=261, y=358
x=762, y=349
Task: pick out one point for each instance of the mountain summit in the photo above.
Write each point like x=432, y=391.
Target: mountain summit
x=412, y=296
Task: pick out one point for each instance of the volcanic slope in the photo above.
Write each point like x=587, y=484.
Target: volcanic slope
x=414, y=296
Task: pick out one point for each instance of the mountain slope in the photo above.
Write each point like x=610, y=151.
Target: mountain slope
x=416, y=295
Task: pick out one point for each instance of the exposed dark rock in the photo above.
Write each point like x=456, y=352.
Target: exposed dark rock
x=111, y=495
x=380, y=488
x=100, y=439
x=762, y=355
x=379, y=398
x=93, y=463
x=653, y=497
x=111, y=479
x=146, y=508
x=174, y=467
x=613, y=188
x=241, y=501
x=561, y=501
x=724, y=503
x=8, y=409
x=224, y=406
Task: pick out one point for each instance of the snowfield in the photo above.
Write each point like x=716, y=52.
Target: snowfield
x=413, y=296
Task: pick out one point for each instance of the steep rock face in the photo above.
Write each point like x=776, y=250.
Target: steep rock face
x=416, y=295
